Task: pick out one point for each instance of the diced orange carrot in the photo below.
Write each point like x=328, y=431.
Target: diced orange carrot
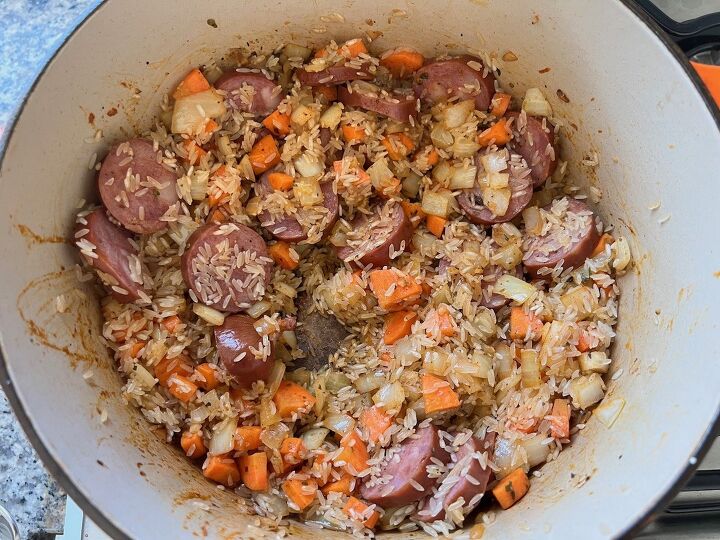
x=171, y=323
x=182, y=387
x=254, y=471
x=605, y=239
x=328, y=92
x=499, y=104
x=438, y=394
x=402, y=61
x=583, y=342
x=498, y=134
x=291, y=398
x=413, y=211
x=354, y=453
x=394, y=289
x=123, y=335
x=320, y=53
x=512, y=488
x=445, y=322
x=136, y=347
x=526, y=425
x=247, y=438
x=426, y=158
x=398, y=325
x=435, y=224
x=343, y=485
x=293, y=452
x=194, y=152
x=560, y=419
x=264, y=154
x=300, y=492
x=219, y=215
x=277, y=123
x=433, y=157
x=193, y=83
x=385, y=358
x=206, y=376
x=352, y=48
x=356, y=509
x=398, y=145
x=281, y=254
x=180, y=365
x=353, y=134
x=522, y=321
x=280, y=181
x=375, y=421
x=222, y=469
x=193, y=445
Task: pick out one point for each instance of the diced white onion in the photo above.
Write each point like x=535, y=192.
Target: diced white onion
x=535, y=451
x=406, y=352
x=143, y=377
x=313, y=438
x=308, y=165
x=464, y=147
x=380, y=174
x=594, y=362
x=621, y=250
x=436, y=362
x=411, y=185
x=199, y=184
x=437, y=203
x=442, y=172
x=514, y=288
x=199, y=414
x=506, y=233
x=457, y=114
x=587, y=390
x=508, y=256
x=223, y=437
x=191, y=113
x=463, y=177
x=533, y=219
x=258, y=308
x=336, y=381
x=208, y=314
x=370, y=382
x=494, y=162
x=505, y=457
x=307, y=191
x=276, y=377
x=296, y=51
x=496, y=199
x=290, y=338
x=275, y=505
x=530, y=368
x=441, y=137
x=609, y=410
x=273, y=436
x=391, y=396
x=342, y=424
x=301, y=115
x=331, y=117
x=268, y=413
x=535, y=104
x=503, y=361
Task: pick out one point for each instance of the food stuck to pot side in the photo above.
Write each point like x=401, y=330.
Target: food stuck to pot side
x=453, y=294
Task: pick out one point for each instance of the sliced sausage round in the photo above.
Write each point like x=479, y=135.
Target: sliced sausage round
x=463, y=77
x=407, y=467
x=135, y=188
x=236, y=339
x=334, y=75
x=375, y=238
x=570, y=242
x=107, y=248
x=264, y=97
x=521, y=188
x=398, y=106
x=472, y=480
x=288, y=228
x=226, y=266
x=535, y=143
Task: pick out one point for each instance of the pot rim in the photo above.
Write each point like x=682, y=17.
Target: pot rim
x=114, y=530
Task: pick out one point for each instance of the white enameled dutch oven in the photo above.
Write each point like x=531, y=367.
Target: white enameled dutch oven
x=632, y=99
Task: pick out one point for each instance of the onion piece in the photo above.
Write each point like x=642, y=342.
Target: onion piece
x=503, y=364
x=297, y=51
x=535, y=451
x=530, y=368
x=143, y=377
x=391, y=396
x=301, y=115
x=533, y=219
x=494, y=162
x=276, y=376
x=308, y=165
x=462, y=177
x=273, y=436
x=609, y=410
x=275, y=505
x=313, y=438
x=514, y=288
x=370, y=382
x=223, y=437
x=307, y=191
x=457, y=114
x=594, y=362
x=587, y=390
x=258, y=309
x=441, y=137
x=342, y=424
x=621, y=251
x=268, y=412
x=191, y=113
x=208, y=314
x=411, y=185
x=535, y=104
x=336, y=381
x=331, y=117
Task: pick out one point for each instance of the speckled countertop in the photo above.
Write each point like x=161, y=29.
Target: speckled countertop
x=29, y=32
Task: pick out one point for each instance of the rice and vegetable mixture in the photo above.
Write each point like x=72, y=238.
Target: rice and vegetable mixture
x=356, y=289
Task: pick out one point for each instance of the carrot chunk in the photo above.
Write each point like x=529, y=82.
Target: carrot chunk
x=328, y=92
x=344, y=485
x=354, y=453
x=560, y=419
x=605, y=239
x=438, y=395
x=498, y=134
x=280, y=181
x=358, y=510
x=398, y=325
x=436, y=224
x=300, y=492
x=394, y=290
x=165, y=368
x=499, y=104
x=281, y=253
x=277, y=123
x=375, y=421
x=193, y=445
x=264, y=154
x=292, y=398
x=402, y=62
x=193, y=83
x=512, y=488
x=398, y=145
x=522, y=321
x=182, y=387
x=293, y=452
x=247, y=438
x=353, y=134
x=222, y=469
x=254, y=471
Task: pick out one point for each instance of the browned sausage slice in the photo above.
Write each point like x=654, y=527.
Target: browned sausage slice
x=242, y=351
x=467, y=479
x=135, y=188
x=334, y=75
x=521, y=187
x=287, y=227
x=534, y=140
x=107, y=248
x=570, y=241
x=398, y=106
x=374, y=239
x=226, y=266
x=463, y=77
x=250, y=91
x=407, y=470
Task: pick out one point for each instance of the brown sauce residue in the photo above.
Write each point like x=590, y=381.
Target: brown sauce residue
x=717, y=274
x=35, y=238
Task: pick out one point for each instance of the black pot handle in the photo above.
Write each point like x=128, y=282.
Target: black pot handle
x=680, y=31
